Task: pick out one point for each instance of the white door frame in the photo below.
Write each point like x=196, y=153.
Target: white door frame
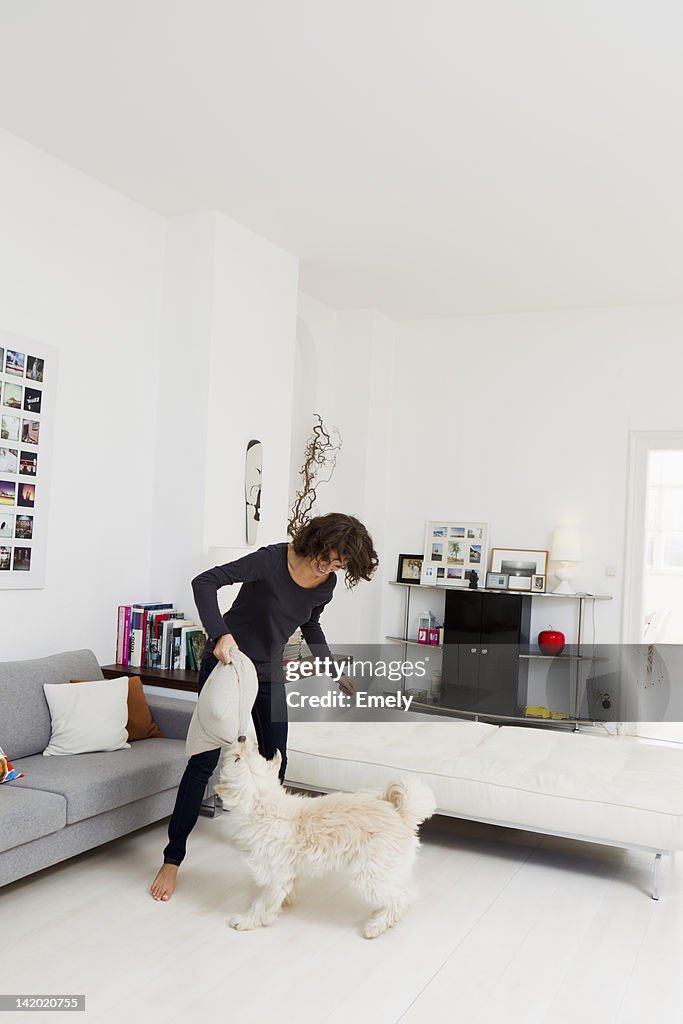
x=641, y=443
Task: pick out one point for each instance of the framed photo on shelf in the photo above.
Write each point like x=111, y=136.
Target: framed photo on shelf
x=451, y=550
x=409, y=568
x=496, y=581
x=519, y=564
x=538, y=584
x=519, y=583
x=428, y=575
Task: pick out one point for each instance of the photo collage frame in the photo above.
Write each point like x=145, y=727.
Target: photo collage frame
x=26, y=379
x=453, y=551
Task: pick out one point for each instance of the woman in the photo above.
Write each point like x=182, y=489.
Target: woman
x=284, y=587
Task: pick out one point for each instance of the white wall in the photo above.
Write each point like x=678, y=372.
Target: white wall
x=176, y=344
x=228, y=339
x=520, y=421
x=347, y=361
x=523, y=422
x=226, y=373
x=316, y=336
x=80, y=269
x=179, y=468
x=251, y=375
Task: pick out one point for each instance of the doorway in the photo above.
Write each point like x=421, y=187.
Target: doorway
x=653, y=598
x=653, y=579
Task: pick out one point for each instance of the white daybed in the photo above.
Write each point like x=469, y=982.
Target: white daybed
x=602, y=789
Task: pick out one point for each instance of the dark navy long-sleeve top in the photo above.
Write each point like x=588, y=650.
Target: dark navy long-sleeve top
x=268, y=609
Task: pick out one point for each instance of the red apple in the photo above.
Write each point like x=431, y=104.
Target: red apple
x=551, y=641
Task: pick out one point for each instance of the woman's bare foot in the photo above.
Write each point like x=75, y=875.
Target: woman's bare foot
x=164, y=884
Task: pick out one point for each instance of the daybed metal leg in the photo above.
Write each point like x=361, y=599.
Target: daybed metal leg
x=208, y=807
x=655, y=877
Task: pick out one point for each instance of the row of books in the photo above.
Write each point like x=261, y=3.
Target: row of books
x=295, y=648
x=156, y=635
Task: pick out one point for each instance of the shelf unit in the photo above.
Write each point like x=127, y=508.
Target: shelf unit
x=171, y=679
x=574, y=657
x=414, y=643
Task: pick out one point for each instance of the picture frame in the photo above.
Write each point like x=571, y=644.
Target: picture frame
x=28, y=375
x=428, y=576
x=496, y=581
x=538, y=583
x=409, y=568
x=519, y=563
x=454, y=547
x=519, y=583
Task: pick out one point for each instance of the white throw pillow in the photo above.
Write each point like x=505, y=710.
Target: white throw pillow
x=223, y=708
x=88, y=717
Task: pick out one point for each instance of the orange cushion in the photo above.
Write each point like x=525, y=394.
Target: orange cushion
x=140, y=724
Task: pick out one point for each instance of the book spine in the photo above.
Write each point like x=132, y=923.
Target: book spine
x=144, y=653
x=121, y=621
x=136, y=639
x=184, y=638
x=164, y=644
x=167, y=643
x=198, y=643
x=155, y=642
x=152, y=629
x=175, y=649
x=125, y=656
x=189, y=655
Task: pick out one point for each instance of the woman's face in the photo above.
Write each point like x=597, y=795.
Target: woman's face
x=325, y=564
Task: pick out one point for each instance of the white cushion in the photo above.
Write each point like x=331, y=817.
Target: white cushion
x=87, y=717
x=223, y=708
x=614, y=789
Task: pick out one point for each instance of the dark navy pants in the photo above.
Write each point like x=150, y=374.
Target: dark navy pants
x=271, y=736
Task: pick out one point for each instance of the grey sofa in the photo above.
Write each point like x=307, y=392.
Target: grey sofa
x=65, y=805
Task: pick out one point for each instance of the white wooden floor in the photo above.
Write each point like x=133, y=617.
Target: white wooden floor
x=509, y=927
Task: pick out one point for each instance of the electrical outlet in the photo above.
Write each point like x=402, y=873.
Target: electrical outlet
x=610, y=570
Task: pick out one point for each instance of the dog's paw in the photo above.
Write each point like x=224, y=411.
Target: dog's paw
x=374, y=926
x=291, y=898
x=242, y=922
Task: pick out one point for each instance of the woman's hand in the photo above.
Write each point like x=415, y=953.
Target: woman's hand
x=346, y=686
x=222, y=648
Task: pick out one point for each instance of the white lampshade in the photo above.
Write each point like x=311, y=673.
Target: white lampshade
x=566, y=546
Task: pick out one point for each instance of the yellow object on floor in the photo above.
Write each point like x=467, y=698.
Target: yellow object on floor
x=539, y=711
x=536, y=711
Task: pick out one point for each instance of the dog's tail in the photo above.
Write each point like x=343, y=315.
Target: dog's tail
x=412, y=799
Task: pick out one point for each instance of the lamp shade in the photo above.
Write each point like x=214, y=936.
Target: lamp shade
x=566, y=546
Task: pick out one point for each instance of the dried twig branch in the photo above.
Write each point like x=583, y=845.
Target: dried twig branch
x=320, y=454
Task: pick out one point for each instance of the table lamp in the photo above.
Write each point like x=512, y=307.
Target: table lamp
x=567, y=551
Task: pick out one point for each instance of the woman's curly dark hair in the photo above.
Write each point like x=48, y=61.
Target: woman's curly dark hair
x=341, y=533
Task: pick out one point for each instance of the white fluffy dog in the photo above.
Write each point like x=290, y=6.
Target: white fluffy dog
x=283, y=835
